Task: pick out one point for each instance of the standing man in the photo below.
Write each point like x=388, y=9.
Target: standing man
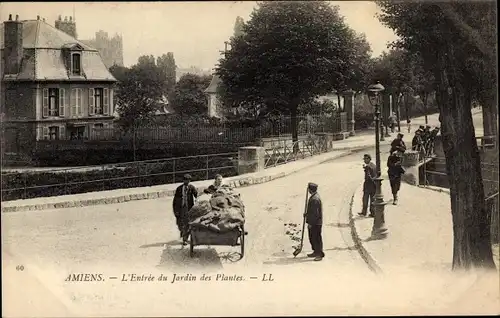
x=395, y=171
x=184, y=198
x=314, y=220
x=370, y=170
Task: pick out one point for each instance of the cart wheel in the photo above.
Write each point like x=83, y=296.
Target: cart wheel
x=242, y=242
x=191, y=245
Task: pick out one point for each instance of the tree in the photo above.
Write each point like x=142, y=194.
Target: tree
x=238, y=26
x=166, y=63
x=448, y=37
x=188, y=97
x=289, y=53
x=138, y=91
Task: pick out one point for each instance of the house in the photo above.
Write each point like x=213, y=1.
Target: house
x=53, y=87
x=214, y=109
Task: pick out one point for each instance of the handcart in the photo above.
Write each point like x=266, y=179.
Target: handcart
x=203, y=236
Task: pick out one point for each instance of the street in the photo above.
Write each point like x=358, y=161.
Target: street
x=131, y=244
x=141, y=237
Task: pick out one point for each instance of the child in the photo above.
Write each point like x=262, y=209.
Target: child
x=408, y=123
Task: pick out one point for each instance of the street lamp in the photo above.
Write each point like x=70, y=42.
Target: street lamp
x=379, y=231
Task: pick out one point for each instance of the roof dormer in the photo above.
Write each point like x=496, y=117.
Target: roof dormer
x=73, y=47
x=73, y=57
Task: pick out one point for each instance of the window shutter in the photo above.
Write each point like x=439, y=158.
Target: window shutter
x=45, y=133
x=73, y=102
x=39, y=133
x=45, y=103
x=62, y=133
x=91, y=102
x=111, y=105
x=79, y=99
x=62, y=102
x=105, y=102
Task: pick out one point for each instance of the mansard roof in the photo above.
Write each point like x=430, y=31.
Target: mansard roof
x=44, y=47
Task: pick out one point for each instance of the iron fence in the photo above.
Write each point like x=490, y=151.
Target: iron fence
x=227, y=133
x=25, y=185
x=281, y=151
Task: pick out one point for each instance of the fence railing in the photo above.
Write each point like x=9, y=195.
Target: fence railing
x=269, y=127
x=24, y=185
x=281, y=151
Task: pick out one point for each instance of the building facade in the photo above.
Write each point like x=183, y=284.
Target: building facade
x=53, y=87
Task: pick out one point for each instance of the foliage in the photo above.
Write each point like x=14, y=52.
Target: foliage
x=166, y=63
x=48, y=184
x=289, y=53
x=138, y=91
x=188, y=96
x=452, y=38
x=317, y=107
x=238, y=27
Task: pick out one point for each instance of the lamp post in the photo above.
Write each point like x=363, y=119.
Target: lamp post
x=379, y=230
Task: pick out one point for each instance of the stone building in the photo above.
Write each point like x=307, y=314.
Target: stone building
x=53, y=87
x=110, y=48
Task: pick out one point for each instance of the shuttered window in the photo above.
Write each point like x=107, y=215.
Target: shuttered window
x=45, y=102
x=62, y=132
x=62, y=102
x=45, y=133
x=105, y=103
x=91, y=102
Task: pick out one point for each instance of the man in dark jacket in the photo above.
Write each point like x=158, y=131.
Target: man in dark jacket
x=398, y=144
x=395, y=171
x=184, y=199
x=314, y=220
x=416, y=143
x=370, y=170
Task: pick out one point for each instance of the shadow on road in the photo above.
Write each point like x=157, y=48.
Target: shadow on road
x=289, y=260
x=337, y=248
x=161, y=244
x=177, y=257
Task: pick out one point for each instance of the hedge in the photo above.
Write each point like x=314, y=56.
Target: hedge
x=140, y=174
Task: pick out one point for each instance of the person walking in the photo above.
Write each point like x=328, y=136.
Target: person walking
x=395, y=171
x=370, y=170
x=184, y=199
x=398, y=144
x=408, y=125
x=314, y=220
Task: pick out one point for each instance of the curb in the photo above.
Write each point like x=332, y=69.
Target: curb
x=238, y=183
x=365, y=255
x=444, y=190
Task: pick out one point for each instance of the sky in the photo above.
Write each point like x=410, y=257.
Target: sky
x=194, y=31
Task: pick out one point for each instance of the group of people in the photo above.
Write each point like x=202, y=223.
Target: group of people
x=423, y=140
x=184, y=199
x=395, y=172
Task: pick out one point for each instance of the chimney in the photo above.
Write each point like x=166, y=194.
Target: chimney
x=13, y=45
x=68, y=27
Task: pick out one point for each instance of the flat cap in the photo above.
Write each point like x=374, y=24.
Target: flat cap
x=367, y=156
x=187, y=176
x=313, y=186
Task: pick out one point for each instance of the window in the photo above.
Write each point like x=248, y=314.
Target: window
x=54, y=102
x=76, y=102
x=51, y=133
x=76, y=64
x=77, y=132
x=99, y=101
x=98, y=126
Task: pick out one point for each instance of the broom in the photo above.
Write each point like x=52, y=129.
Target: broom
x=299, y=248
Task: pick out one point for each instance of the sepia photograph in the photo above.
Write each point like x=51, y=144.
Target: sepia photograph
x=249, y=158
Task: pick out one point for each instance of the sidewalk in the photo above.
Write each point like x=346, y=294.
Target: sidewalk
x=340, y=149
x=419, y=249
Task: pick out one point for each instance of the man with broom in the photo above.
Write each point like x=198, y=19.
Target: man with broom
x=314, y=220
